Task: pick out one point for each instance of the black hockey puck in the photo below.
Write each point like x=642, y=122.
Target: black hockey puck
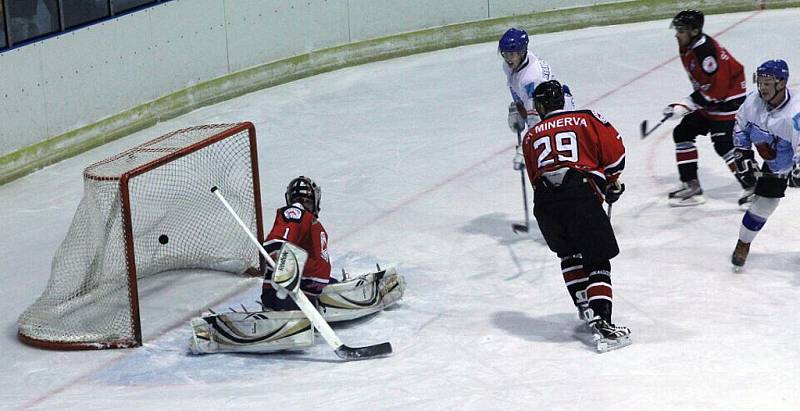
x=163, y=239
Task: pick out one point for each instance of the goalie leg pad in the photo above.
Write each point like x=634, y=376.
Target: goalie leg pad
x=362, y=295
x=259, y=332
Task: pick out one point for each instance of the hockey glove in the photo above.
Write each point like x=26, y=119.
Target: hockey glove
x=679, y=109
x=515, y=120
x=519, y=160
x=745, y=166
x=614, y=192
x=794, y=176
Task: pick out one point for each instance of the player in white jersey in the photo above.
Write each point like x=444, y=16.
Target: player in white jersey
x=524, y=71
x=769, y=120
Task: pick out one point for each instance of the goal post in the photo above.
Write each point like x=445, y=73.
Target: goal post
x=145, y=211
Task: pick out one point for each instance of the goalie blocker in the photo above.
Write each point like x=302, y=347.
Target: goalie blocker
x=270, y=331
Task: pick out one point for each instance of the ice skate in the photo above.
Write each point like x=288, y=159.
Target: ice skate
x=740, y=255
x=690, y=194
x=609, y=336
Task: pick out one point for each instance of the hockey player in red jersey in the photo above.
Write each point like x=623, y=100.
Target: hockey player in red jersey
x=297, y=223
x=574, y=160
x=719, y=89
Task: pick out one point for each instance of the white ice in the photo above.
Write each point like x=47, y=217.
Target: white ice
x=414, y=157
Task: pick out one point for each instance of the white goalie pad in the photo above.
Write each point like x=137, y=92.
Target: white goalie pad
x=361, y=296
x=270, y=331
x=259, y=332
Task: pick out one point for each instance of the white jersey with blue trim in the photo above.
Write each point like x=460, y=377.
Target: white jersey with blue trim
x=521, y=82
x=775, y=132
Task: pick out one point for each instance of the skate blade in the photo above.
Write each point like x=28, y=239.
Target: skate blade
x=687, y=202
x=738, y=269
x=605, y=345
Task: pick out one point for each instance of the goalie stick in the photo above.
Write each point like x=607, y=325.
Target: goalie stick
x=343, y=351
x=645, y=132
x=520, y=228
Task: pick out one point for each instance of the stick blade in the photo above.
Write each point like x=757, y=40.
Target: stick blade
x=519, y=228
x=364, y=353
x=643, y=129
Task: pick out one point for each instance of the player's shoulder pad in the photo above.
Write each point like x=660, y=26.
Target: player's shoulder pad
x=292, y=213
x=706, y=53
x=599, y=117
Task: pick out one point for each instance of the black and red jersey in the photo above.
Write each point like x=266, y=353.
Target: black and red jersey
x=582, y=140
x=717, y=78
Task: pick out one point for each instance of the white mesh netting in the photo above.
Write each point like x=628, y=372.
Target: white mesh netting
x=175, y=223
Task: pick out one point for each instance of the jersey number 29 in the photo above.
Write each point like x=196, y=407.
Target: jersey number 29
x=566, y=144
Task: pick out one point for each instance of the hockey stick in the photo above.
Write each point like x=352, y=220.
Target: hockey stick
x=519, y=228
x=643, y=127
x=344, y=352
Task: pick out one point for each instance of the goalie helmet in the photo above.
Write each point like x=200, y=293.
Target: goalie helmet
x=513, y=40
x=548, y=97
x=305, y=191
x=692, y=19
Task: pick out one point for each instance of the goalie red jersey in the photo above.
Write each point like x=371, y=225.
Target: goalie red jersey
x=581, y=140
x=299, y=227
x=717, y=79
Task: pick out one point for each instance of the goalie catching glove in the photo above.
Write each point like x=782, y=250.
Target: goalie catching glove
x=270, y=331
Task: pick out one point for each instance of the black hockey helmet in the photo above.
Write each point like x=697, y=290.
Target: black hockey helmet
x=305, y=191
x=548, y=97
x=692, y=19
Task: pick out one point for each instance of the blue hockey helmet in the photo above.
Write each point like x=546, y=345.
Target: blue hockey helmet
x=513, y=40
x=774, y=68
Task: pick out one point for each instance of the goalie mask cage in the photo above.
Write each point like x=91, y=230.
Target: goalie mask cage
x=145, y=211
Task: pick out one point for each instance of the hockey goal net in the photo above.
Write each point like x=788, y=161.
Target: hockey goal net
x=145, y=211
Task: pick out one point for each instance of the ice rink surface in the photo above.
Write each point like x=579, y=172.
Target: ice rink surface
x=414, y=158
